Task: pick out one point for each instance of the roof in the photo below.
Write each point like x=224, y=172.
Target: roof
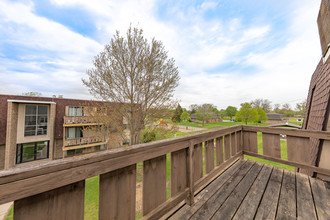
x=317, y=106
x=214, y=116
x=274, y=116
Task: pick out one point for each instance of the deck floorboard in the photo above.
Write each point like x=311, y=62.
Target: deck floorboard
x=250, y=190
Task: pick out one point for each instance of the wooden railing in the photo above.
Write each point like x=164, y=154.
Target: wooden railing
x=83, y=141
x=56, y=189
x=298, y=146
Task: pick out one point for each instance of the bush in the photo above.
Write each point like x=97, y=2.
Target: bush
x=148, y=136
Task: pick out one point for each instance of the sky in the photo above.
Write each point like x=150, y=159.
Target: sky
x=227, y=51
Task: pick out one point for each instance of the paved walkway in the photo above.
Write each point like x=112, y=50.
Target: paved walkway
x=4, y=209
x=183, y=128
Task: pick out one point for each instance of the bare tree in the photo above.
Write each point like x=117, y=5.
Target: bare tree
x=138, y=76
x=265, y=104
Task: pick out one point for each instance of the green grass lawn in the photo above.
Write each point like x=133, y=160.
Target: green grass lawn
x=217, y=124
x=294, y=121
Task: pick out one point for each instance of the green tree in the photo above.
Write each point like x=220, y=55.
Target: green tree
x=262, y=116
x=177, y=114
x=204, y=112
x=193, y=108
x=277, y=108
x=286, y=110
x=231, y=111
x=301, y=108
x=138, y=77
x=34, y=94
x=222, y=113
x=185, y=116
x=247, y=114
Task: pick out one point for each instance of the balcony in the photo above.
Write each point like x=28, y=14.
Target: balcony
x=79, y=142
x=72, y=121
x=209, y=179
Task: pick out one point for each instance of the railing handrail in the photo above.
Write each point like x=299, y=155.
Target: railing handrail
x=288, y=131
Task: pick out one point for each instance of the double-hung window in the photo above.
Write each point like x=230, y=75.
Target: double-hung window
x=76, y=111
x=36, y=120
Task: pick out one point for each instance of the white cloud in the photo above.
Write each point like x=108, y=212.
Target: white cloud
x=198, y=45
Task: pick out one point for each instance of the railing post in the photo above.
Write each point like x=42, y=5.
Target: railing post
x=190, y=174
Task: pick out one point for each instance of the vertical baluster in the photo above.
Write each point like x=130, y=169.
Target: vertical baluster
x=118, y=194
x=66, y=202
x=154, y=183
x=209, y=155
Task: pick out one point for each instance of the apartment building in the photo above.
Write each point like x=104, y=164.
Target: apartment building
x=40, y=129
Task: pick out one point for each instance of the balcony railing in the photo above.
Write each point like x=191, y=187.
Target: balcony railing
x=57, y=189
x=71, y=120
x=83, y=141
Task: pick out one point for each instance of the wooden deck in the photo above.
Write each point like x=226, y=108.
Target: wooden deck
x=250, y=190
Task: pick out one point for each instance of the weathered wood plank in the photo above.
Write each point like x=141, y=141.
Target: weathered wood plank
x=229, y=207
x=219, y=150
x=271, y=145
x=249, y=206
x=217, y=199
x=63, y=203
x=227, y=146
x=198, y=161
x=209, y=155
x=268, y=205
x=164, y=208
x=298, y=149
x=321, y=198
x=178, y=171
x=118, y=190
x=239, y=139
x=290, y=163
x=233, y=143
x=250, y=141
x=190, y=174
x=154, y=183
x=305, y=203
x=287, y=201
x=205, y=180
x=187, y=211
x=292, y=132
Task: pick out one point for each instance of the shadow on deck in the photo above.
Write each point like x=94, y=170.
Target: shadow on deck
x=250, y=190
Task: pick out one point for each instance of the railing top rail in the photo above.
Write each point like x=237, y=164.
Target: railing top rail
x=287, y=131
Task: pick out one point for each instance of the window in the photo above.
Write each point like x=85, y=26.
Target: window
x=76, y=111
x=99, y=147
x=74, y=152
x=32, y=151
x=74, y=132
x=36, y=120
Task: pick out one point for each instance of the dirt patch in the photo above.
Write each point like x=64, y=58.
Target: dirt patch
x=138, y=203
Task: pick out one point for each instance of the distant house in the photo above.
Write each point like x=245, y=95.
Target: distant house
x=215, y=118
x=275, y=116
